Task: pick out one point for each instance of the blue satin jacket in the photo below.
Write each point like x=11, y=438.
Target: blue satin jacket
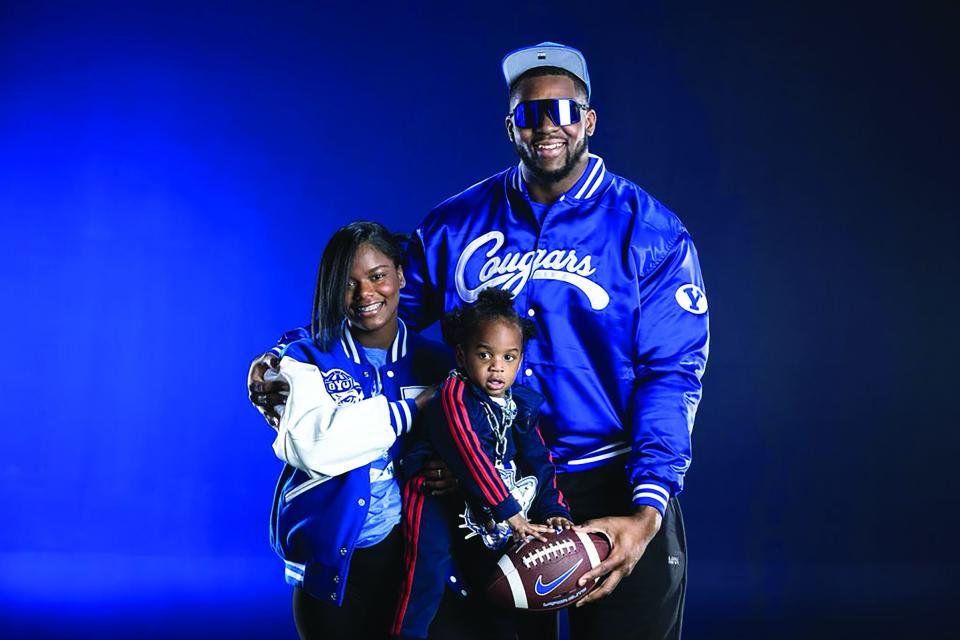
x=612, y=280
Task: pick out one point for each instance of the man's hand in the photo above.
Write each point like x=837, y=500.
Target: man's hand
x=629, y=537
x=266, y=394
x=437, y=479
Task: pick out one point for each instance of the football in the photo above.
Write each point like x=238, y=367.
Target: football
x=542, y=576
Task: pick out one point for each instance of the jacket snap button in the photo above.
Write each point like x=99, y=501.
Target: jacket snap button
x=389, y=374
x=343, y=551
x=361, y=502
x=333, y=596
x=336, y=579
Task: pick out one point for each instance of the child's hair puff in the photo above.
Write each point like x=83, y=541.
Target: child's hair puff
x=459, y=325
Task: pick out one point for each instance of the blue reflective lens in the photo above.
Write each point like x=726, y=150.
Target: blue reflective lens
x=562, y=111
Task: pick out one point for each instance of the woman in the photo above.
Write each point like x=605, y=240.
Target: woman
x=354, y=388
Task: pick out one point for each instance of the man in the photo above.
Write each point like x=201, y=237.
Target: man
x=612, y=280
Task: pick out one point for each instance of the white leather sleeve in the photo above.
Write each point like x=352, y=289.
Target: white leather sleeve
x=320, y=437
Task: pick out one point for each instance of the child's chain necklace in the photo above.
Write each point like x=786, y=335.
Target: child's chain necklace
x=499, y=427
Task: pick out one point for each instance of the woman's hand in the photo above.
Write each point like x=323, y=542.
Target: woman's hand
x=437, y=479
x=265, y=394
x=424, y=396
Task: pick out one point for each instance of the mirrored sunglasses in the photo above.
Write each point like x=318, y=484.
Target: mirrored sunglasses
x=562, y=111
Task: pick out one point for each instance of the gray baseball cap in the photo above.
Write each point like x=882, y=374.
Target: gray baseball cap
x=545, y=54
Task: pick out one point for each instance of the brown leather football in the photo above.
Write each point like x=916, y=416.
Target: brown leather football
x=542, y=576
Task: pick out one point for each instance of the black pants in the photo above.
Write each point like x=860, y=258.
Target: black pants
x=647, y=604
x=369, y=601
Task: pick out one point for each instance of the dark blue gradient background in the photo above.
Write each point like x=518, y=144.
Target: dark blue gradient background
x=170, y=172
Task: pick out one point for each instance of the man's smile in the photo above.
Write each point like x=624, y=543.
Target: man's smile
x=549, y=148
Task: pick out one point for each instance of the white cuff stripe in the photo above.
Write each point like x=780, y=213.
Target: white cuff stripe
x=407, y=414
x=655, y=487
x=395, y=418
x=293, y=574
x=651, y=496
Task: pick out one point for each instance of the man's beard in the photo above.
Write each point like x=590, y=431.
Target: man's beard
x=552, y=176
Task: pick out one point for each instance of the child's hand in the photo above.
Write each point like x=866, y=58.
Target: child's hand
x=558, y=523
x=523, y=528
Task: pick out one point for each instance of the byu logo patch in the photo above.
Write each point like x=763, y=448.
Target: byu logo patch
x=341, y=386
x=691, y=298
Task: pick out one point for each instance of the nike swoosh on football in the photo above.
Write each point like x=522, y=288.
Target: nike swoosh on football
x=544, y=589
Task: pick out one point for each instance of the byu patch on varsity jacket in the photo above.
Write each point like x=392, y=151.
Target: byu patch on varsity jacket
x=612, y=280
x=342, y=414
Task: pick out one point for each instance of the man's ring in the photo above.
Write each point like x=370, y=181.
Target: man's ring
x=439, y=474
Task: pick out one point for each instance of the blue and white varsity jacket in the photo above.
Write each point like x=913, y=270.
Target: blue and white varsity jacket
x=341, y=415
x=611, y=278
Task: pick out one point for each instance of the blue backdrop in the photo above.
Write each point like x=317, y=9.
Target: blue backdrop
x=169, y=174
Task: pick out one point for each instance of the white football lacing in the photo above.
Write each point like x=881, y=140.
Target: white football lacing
x=549, y=552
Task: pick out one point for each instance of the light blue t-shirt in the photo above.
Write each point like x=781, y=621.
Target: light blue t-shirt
x=384, y=512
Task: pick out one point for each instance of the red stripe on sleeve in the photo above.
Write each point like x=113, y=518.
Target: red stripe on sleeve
x=476, y=460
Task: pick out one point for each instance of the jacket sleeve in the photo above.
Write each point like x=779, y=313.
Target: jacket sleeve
x=290, y=337
x=671, y=354
x=320, y=437
x=421, y=303
x=456, y=433
x=533, y=455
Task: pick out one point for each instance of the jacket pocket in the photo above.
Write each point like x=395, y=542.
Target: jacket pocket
x=303, y=487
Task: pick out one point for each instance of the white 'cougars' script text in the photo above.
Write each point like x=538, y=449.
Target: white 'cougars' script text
x=512, y=270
